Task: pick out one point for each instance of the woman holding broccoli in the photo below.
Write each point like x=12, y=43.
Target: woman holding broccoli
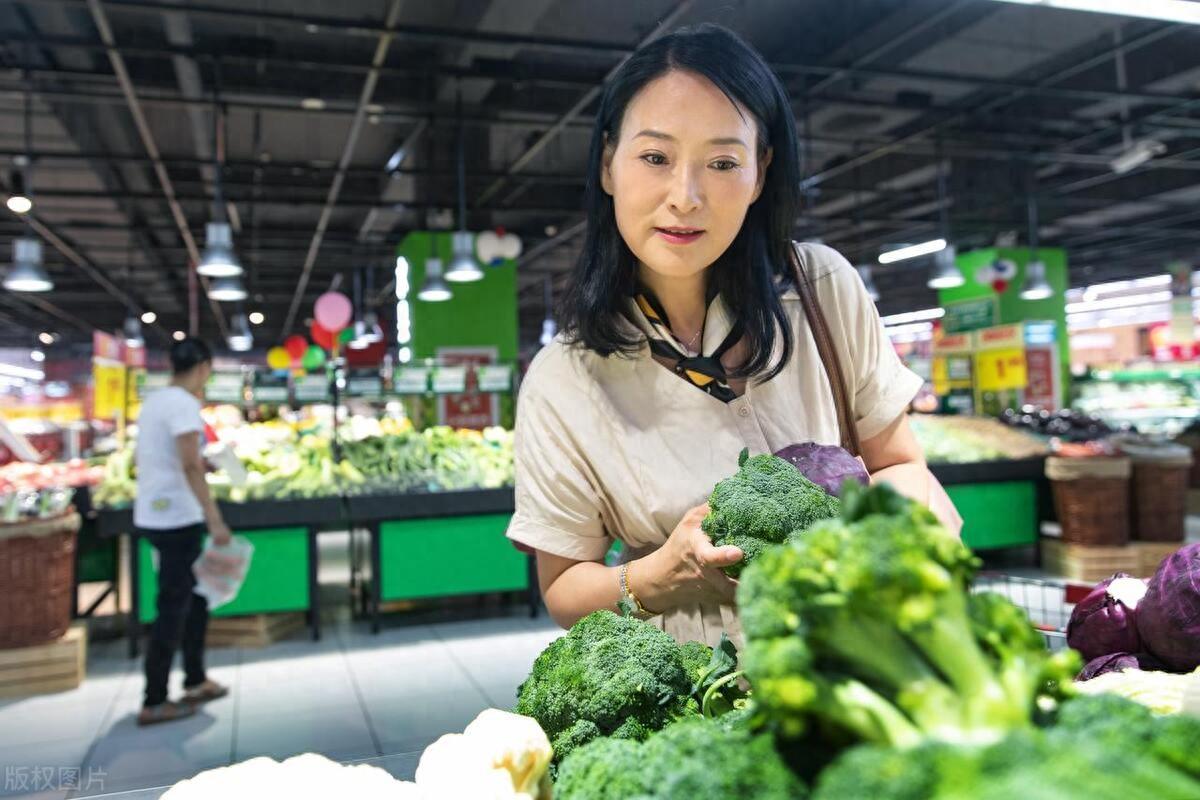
x=685, y=341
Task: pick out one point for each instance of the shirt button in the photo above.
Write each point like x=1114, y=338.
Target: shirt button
x=744, y=411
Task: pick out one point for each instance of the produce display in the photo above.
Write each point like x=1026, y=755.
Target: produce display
x=873, y=671
x=499, y=756
x=295, y=460
x=966, y=440
x=64, y=475
x=762, y=504
x=1066, y=424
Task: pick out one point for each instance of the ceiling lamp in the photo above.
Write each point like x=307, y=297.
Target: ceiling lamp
x=1036, y=286
x=367, y=331
x=463, y=266
x=133, y=331
x=912, y=251
x=240, y=337
x=219, y=260
x=946, y=274
x=227, y=290
x=19, y=201
x=435, y=289
x=149, y=317
x=864, y=272
x=27, y=273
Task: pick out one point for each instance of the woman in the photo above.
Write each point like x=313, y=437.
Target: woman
x=173, y=510
x=684, y=342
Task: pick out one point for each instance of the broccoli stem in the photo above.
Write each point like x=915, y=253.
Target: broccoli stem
x=878, y=651
x=711, y=694
x=861, y=710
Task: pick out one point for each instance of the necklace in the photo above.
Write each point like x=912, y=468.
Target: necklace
x=691, y=345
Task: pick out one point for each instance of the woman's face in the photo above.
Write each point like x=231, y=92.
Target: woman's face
x=682, y=174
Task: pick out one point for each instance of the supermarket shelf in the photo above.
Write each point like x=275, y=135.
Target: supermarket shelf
x=311, y=512
x=1149, y=413
x=421, y=505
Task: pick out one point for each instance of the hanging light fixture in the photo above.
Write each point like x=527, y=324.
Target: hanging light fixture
x=20, y=198
x=241, y=338
x=864, y=272
x=219, y=260
x=463, y=266
x=1036, y=287
x=19, y=201
x=946, y=274
x=435, y=289
x=227, y=290
x=27, y=273
x=133, y=331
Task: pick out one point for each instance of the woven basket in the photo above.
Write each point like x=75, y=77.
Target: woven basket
x=1160, y=501
x=37, y=560
x=1093, y=511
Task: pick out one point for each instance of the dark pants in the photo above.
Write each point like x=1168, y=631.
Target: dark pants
x=182, y=614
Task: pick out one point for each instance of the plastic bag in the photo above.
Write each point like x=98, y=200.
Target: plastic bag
x=220, y=571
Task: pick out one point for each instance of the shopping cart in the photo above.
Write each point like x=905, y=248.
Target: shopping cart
x=1047, y=601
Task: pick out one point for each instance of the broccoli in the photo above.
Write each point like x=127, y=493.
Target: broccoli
x=613, y=676
x=688, y=760
x=1126, y=725
x=763, y=504
x=864, y=626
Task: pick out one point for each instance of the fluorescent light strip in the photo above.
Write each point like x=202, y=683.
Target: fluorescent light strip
x=912, y=251
x=910, y=328
x=1168, y=10
x=925, y=315
x=22, y=372
x=1120, y=302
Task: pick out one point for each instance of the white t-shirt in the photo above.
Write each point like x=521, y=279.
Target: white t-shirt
x=164, y=499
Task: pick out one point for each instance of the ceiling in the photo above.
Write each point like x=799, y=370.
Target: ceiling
x=314, y=97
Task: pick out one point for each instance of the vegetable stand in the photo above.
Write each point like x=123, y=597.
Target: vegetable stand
x=283, y=572
x=437, y=545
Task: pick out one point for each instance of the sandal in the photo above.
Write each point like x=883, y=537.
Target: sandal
x=209, y=690
x=164, y=712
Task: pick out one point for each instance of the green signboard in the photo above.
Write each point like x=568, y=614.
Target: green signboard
x=971, y=315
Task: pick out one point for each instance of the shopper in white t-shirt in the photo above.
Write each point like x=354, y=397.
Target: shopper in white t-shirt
x=173, y=511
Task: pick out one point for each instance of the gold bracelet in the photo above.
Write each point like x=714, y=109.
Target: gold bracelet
x=629, y=598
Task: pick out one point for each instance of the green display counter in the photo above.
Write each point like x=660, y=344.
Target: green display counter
x=278, y=578
x=1001, y=502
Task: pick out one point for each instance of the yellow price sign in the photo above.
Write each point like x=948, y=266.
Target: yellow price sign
x=1005, y=368
x=109, y=395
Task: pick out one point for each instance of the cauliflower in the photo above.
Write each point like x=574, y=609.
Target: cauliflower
x=500, y=756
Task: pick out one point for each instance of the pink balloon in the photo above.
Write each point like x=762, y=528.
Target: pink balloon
x=333, y=311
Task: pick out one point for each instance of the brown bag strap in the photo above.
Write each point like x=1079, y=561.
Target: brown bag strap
x=829, y=355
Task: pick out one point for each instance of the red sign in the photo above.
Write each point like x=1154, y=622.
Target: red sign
x=471, y=409
x=1039, y=366
x=106, y=346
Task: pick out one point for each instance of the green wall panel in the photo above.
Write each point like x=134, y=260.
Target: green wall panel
x=277, y=580
x=1002, y=514
x=449, y=556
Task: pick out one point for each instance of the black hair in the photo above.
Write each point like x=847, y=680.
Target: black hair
x=746, y=274
x=188, y=354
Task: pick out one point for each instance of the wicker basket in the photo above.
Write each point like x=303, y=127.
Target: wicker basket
x=37, y=561
x=1160, y=501
x=1091, y=498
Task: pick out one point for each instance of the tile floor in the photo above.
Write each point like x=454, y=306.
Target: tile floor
x=352, y=696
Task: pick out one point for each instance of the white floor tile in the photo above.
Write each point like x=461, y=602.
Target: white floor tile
x=340, y=734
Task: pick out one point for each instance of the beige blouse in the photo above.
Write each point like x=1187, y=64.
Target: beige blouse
x=620, y=447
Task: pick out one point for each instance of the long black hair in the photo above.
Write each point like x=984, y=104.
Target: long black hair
x=745, y=275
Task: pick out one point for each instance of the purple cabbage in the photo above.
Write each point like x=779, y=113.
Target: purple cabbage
x=1105, y=622
x=1118, y=662
x=828, y=466
x=1169, y=615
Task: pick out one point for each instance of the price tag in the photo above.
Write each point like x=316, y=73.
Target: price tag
x=411, y=380
x=494, y=378
x=225, y=387
x=1005, y=368
x=450, y=380
x=270, y=388
x=364, y=383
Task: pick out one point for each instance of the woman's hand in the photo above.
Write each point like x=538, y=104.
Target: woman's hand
x=686, y=570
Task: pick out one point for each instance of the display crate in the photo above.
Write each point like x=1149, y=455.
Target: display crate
x=1086, y=563
x=53, y=667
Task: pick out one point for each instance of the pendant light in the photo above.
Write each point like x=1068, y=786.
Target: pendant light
x=133, y=331
x=463, y=266
x=1036, y=287
x=435, y=289
x=27, y=273
x=946, y=274
x=218, y=259
x=20, y=198
x=241, y=339
x=366, y=327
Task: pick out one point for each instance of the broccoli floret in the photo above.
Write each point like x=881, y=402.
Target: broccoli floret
x=866, y=624
x=761, y=505
x=685, y=761
x=612, y=676
x=1122, y=724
